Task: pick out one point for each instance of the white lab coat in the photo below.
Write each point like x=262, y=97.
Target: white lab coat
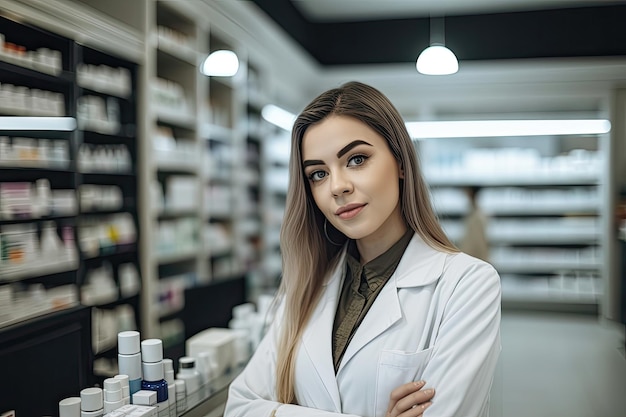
x=436, y=319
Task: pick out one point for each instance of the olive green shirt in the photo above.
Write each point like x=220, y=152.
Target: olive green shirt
x=361, y=285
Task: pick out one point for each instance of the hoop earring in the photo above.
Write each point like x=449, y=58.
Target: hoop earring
x=328, y=237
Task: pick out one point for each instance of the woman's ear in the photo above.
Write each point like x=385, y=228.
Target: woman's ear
x=400, y=170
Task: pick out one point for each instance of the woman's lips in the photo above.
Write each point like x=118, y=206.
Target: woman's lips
x=349, y=211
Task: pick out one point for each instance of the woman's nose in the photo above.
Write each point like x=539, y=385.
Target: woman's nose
x=340, y=184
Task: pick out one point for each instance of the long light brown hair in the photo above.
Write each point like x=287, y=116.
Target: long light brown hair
x=307, y=256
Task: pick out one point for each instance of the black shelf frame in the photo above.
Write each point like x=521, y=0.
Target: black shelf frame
x=69, y=177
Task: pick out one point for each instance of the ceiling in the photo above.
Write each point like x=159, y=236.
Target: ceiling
x=358, y=32
x=354, y=10
x=514, y=55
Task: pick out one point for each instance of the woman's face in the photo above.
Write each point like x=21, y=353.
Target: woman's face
x=354, y=179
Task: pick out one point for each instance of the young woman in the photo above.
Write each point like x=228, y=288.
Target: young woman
x=376, y=308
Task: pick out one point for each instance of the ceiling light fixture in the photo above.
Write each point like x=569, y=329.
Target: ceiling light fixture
x=512, y=128
x=222, y=63
x=437, y=59
x=278, y=117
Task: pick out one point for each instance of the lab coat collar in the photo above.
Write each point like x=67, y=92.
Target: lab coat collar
x=420, y=265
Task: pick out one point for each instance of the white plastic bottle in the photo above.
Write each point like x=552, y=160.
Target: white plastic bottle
x=125, y=387
x=188, y=373
x=129, y=358
x=113, y=394
x=69, y=407
x=154, y=373
x=243, y=315
x=91, y=402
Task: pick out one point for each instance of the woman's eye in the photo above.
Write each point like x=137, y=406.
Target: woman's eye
x=317, y=175
x=357, y=160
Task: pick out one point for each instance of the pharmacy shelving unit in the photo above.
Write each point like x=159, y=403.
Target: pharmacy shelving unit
x=225, y=163
x=171, y=170
x=275, y=161
x=258, y=139
x=38, y=211
x=199, y=166
x=68, y=213
x=108, y=226
x=544, y=201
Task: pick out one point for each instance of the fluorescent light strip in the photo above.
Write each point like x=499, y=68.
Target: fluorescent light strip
x=38, y=123
x=278, y=117
x=491, y=128
x=473, y=128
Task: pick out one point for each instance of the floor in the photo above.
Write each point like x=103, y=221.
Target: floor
x=556, y=365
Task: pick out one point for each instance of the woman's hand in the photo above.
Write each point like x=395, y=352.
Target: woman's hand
x=409, y=400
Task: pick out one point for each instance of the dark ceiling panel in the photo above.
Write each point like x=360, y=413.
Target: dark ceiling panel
x=579, y=32
x=375, y=42
x=572, y=32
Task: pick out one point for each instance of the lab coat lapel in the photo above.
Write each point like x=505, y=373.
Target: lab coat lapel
x=318, y=335
x=383, y=314
x=420, y=265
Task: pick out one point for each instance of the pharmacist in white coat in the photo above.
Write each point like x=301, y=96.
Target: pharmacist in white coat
x=378, y=314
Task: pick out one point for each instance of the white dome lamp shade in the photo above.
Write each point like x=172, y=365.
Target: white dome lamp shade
x=437, y=59
x=221, y=63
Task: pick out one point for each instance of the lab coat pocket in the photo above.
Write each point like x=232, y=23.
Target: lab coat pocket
x=394, y=369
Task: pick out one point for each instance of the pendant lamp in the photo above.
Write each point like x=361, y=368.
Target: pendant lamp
x=221, y=63
x=437, y=59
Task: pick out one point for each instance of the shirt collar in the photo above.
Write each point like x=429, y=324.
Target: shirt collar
x=379, y=269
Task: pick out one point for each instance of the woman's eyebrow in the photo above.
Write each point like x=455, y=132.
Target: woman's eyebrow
x=341, y=153
x=351, y=145
x=310, y=162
